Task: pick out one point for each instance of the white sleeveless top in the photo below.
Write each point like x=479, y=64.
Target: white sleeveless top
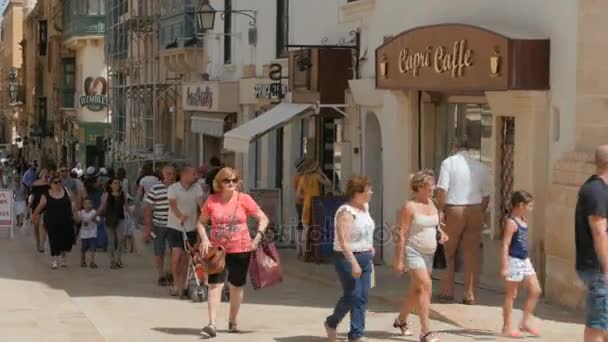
x=423, y=233
x=362, y=232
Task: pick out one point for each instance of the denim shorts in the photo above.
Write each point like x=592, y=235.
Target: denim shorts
x=89, y=245
x=417, y=261
x=597, y=300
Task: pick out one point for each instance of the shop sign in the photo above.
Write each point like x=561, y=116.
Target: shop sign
x=460, y=57
x=200, y=97
x=6, y=208
x=269, y=91
x=95, y=90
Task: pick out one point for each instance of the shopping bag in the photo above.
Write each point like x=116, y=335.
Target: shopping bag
x=265, y=267
x=27, y=227
x=439, y=262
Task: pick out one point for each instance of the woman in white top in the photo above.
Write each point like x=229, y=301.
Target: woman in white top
x=353, y=243
x=418, y=224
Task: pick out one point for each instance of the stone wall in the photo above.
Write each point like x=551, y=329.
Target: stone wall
x=575, y=167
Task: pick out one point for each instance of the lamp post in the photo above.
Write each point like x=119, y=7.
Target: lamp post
x=205, y=16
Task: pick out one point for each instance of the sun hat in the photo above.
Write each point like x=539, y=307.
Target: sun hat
x=308, y=166
x=92, y=172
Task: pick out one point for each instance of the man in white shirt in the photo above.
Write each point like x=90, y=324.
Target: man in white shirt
x=463, y=195
x=185, y=199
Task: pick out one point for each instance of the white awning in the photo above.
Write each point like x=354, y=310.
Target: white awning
x=208, y=123
x=238, y=139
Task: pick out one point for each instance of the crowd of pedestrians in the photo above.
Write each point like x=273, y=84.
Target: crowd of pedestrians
x=205, y=209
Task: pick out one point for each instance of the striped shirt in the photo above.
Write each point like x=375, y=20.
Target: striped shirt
x=157, y=198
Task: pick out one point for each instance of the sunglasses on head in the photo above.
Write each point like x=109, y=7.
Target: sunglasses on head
x=230, y=180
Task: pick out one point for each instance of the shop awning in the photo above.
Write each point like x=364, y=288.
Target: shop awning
x=208, y=123
x=238, y=139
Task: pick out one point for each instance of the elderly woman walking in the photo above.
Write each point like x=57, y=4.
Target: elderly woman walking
x=353, y=244
x=418, y=226
x=228, y=210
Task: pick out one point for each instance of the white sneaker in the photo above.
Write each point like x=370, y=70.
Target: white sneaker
x=63, y=262
x=54, y=265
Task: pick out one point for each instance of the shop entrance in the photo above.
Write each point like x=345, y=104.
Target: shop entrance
x=491, y=141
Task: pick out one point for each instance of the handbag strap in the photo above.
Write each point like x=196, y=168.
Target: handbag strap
x=236, y=206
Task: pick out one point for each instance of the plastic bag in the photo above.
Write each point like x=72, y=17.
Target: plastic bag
x=27, y=227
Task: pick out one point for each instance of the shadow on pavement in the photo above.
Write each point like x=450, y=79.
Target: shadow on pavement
x=478, y=335
x=179, y=331
x=301, y=339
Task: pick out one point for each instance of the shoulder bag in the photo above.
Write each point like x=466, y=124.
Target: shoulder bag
x=439, y=261
x=215, y=260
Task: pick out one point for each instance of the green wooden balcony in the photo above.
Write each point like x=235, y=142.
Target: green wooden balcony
x=85, y=25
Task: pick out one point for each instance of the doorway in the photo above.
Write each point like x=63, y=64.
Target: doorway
x=373, y=170
x=491, y=143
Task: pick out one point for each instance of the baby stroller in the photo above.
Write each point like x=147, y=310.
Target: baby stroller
x=196, y=278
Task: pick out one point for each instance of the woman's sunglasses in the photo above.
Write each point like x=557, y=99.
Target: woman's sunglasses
x=232, y=180
x=56, y=182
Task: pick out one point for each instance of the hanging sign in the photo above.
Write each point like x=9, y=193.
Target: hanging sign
x=96, y=90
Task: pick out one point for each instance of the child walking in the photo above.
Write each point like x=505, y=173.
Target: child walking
x=88, y=233
x=516, y=266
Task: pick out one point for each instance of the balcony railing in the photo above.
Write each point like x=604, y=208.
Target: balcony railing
x=84, y=26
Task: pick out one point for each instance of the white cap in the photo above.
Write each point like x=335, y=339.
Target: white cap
x=91, y=171
x=103, y=171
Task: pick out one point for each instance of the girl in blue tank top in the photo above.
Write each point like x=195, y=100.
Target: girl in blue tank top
x=517, y=268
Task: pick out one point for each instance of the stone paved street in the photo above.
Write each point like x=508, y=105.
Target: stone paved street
x=77, y=304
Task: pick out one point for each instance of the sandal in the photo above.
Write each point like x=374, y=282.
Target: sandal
x=512, y=334
x=445, y=299
x=233, y=329
x=83, y=264
x=429, y=337
x=162, y=281
x=402, y=325
x=113, y=265
x=467, y=301
x=119, y=264
x=532, y=331
x=93, y=265
x=209, y=330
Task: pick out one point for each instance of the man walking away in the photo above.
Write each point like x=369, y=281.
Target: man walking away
x=156, y=212
x=592, y=247
x=216, y=166
x=464, y=194
x=185, y=199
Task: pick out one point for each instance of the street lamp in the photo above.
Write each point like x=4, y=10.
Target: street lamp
x=205, y=16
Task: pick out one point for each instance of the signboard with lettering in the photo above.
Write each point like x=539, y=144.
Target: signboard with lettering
x=456, y=57
x=6, y=208
x=95, y=90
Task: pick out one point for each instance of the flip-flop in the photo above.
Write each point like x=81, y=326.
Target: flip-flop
x=513, y=334
x=532, y=331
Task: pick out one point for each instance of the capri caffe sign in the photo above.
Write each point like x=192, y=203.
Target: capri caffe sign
x=455, y=57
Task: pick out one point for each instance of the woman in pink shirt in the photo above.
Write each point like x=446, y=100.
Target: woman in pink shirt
x=228, y=210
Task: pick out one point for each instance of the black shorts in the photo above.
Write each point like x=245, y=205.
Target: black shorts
x=89, y=245
x=237, y=267
x=176, y=238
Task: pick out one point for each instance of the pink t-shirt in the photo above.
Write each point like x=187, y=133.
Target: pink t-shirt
x=235, y=239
